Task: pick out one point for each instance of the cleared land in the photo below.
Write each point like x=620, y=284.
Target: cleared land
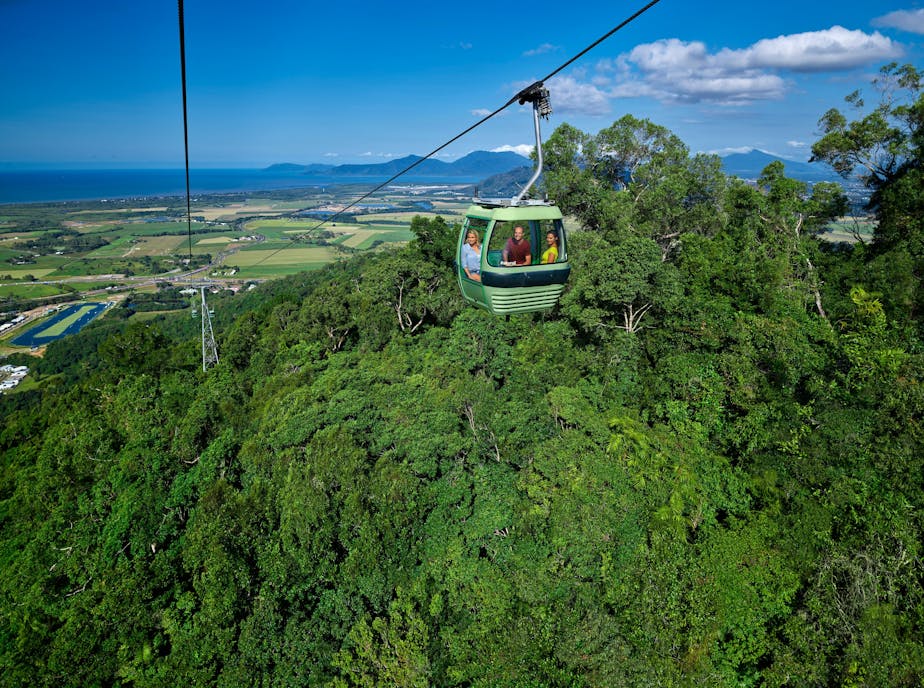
x=286, y=224
x=103, y=211
x=850, y=230
x=310, y=254
x=154, y=246
x=357, y=238
x=20, y=273
x=403, y=217
x=216, y=240
x=28, y=290
x=123, y=246
x=72, y=319
x=240, y=210
x=266, y=263
x=58, y=328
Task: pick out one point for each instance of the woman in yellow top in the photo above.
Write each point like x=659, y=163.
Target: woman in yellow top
x=550, y=255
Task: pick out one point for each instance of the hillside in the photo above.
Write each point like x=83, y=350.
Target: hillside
x=471, y=167
x=506, y=184
x=703, y=467
x=483, y=164
x=749, y=166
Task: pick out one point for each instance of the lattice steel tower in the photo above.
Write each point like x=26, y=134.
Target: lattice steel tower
x=209, y=347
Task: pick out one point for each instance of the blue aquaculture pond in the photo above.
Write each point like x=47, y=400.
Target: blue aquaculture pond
x=35, y=336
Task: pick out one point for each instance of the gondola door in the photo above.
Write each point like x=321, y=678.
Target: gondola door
x=472, y=290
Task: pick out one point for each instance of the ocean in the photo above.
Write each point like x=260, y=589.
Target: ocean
x=46, y=186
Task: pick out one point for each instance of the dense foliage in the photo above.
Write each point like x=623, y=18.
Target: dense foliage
x=63, y=241
x=704, y=468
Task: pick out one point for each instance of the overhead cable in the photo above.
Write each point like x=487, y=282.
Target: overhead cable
x=185, y=126
x=522, y=96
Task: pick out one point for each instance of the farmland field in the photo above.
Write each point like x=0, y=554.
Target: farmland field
x=403, y=217
x=244, y=236
x=156, y=246
x=58, y=328
x=335, y=227
x=389, y=235
x=234, y=211
x=216, y=240
x=850, y=230
x=358, y=237
x=288, y=256
x=20, y=273
x=268, y=271
x=265, y=263
x=286, y=224
x=68, y=321
x=27, y=290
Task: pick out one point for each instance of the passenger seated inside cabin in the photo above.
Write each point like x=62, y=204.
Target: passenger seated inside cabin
x=550, y=255
x=471, y=255
x=517, y=250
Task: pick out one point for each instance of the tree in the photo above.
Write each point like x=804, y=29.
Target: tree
x=615, y=286
x=140, y=347
x=887, y=145
x=788, y=215
x=436, y=240
x=634, y=178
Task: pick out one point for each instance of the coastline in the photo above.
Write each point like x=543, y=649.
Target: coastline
x=60, y=186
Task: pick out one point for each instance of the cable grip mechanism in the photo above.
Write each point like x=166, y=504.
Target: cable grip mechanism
x=538, y=95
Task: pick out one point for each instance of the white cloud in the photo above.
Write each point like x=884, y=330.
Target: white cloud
x=523, y=149
x=370, y=154
x=544, y=48
x=668, y=55
x=567, y=94
x=722, y=152
x=331, y=155
x=797, y=144
x=673, y=71
x=836, y=48
x=911, y=21
x=481, y=112
x=728, y=151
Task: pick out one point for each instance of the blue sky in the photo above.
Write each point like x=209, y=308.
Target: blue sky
x=97, y=84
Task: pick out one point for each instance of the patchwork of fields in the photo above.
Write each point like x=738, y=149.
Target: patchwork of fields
x=57, y=253
x=256, y=238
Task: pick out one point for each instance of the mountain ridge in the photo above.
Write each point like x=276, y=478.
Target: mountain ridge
x=749, y=166
x=482, y=165
x=475, y=165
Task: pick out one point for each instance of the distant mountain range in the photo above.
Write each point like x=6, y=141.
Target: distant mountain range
x=483, y=166
x=473, y=167
x=750, y=165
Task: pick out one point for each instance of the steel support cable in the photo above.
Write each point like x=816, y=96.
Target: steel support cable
x=599, y=41
x=185, y=126
x=395, y=176
x=522, y=96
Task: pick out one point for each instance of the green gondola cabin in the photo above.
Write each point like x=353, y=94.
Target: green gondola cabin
x=512, y=255
x=514, y=275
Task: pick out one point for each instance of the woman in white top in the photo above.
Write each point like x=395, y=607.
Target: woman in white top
x=471, y=256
